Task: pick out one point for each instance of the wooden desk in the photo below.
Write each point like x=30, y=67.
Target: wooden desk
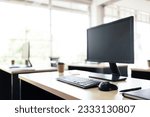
x=9, y=82
x=98, y=68
x=48, y=82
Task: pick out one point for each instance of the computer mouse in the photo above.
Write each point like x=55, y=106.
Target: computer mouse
x=107, y=86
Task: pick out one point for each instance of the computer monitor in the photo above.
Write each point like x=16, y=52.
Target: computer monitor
x=26, y=53
x=26, y=50
x=113, y=43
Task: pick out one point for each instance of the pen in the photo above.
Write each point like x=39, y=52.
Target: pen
x=132, y=89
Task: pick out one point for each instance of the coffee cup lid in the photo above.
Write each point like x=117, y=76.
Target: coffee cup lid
x=60, y=63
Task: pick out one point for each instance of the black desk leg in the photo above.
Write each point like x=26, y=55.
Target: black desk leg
x=15, y=87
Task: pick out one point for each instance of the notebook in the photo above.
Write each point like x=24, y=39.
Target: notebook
x=143, y=94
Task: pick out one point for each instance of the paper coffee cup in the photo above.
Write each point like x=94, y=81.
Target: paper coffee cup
x=61, y=67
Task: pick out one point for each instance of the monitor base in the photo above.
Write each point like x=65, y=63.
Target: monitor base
x=107, y=77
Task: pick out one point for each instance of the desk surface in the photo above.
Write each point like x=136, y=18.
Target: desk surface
x=48, y=82
x=23, y=70
x=145, y=69
x=95, y=65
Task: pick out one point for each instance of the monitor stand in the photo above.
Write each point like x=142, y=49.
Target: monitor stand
x=28, y=63
x=114, y=77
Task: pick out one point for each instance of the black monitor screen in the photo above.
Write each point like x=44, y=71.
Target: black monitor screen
x=111, y=42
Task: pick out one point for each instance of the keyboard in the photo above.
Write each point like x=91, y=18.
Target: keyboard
x=81, y=82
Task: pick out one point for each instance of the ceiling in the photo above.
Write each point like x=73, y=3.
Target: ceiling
x=139, y=5
x=47, y=1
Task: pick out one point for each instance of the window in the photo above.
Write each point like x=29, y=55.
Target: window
x=69, y=25
x=59, y=30
x=21, y=22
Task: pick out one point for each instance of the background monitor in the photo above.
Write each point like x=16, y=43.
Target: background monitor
x=26, y=53
x=112, y=42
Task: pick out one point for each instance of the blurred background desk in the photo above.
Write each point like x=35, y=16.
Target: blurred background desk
x=98, y=68
x=9, y=82
x=141, y=73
